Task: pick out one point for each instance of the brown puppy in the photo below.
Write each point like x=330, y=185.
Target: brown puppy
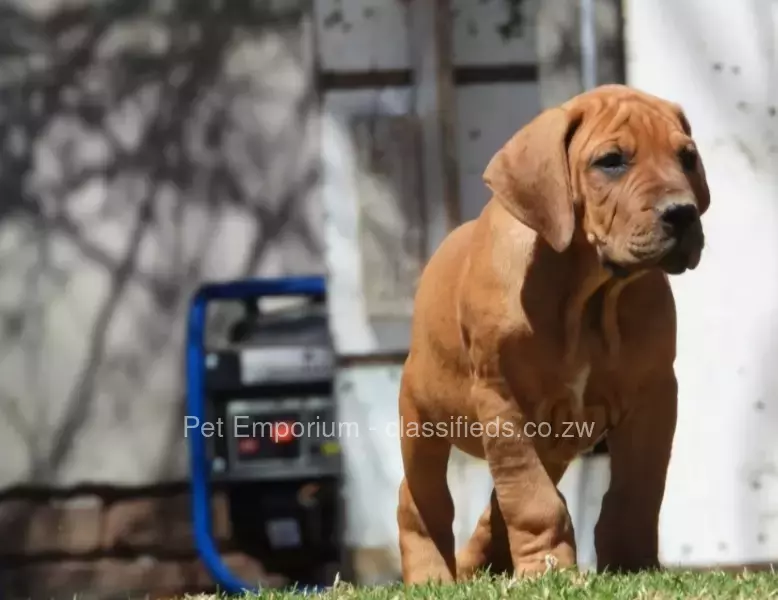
x=547, y=323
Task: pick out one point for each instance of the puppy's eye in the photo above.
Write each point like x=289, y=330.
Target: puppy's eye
x=688, y=158
x=612, y=162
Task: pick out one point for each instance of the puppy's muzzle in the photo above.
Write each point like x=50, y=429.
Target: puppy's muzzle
x=682, y=225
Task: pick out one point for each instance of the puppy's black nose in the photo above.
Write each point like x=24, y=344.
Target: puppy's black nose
x=679, y=217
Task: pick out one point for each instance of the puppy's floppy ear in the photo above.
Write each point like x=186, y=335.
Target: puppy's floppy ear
x=697, y=179
x=530, y=176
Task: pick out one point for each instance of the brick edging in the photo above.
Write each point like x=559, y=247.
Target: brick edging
x=102, y=541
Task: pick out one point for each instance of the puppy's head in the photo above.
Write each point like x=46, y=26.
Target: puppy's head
x=615, y=165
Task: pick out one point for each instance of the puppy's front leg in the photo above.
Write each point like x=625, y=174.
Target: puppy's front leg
x=626, y=535
x=536, y=518
x=425, y=513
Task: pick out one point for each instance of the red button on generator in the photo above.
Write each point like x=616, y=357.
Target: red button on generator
x=248, y=446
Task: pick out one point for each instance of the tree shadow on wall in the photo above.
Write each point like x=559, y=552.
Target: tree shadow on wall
x=144, y=147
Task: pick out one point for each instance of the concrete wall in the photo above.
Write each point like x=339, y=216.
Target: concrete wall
x=146, y=147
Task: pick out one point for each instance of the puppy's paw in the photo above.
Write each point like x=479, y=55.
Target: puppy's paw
x=558, y=559
x=551, y=562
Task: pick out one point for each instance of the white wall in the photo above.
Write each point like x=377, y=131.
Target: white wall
x=718, y=59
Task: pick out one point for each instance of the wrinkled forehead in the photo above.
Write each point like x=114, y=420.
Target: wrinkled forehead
x=632, y=124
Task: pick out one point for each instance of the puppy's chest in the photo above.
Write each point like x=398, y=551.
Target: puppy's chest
x=575, y=387
x=576, y=400
x=587, y=379
x=576, y=409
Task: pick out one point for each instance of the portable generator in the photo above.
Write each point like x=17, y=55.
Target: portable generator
x=272, y=436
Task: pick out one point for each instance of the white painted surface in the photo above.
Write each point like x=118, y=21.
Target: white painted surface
x=583, y=487
x=487, y=116
x=351, y=327
x=359, y=35
x=718, y=60
x=362, y=35
x=477, y=38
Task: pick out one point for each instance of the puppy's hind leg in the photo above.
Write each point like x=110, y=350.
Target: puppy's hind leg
x=488, y=547
x=425, y=514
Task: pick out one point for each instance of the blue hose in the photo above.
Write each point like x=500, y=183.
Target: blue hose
x=200, y=468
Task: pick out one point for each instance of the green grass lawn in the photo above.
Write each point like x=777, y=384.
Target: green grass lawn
x=566, y=586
